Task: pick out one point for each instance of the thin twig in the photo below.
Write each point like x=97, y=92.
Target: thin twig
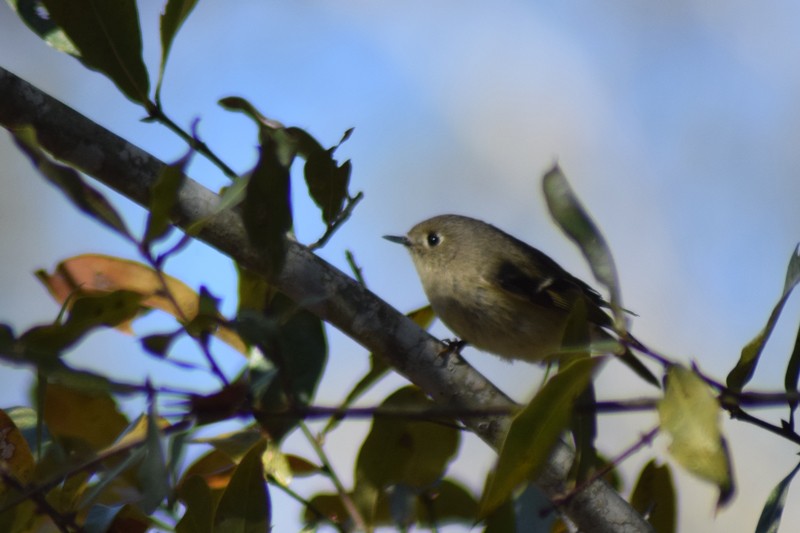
x=154, y=263
x=157, y=113
x=306, y=503
x=351, y=260
x=64, y=523
x=347, y=501
x=646, y=438
x=343, y=216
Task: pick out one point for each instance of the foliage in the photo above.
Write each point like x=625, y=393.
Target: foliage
x=76, y=461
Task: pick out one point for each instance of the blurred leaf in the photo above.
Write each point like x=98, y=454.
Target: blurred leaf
x=276, y=465
x=584, y=433
x=109, y=479
x=89, y=417
x=163, y=198
x=654, y=497
x=327, y=180
x=405, y=451
x=199, y=514
x=446, y=503
x=69, y=181
x=293, y=340
x=423, y=317
x=574, y=220
x=267, y=211
x=25, y=419
x=100, y=273
x=449, y=502
x=301, y=466
x=770, y=519
x=42, y=25
x=214, y=467
x=158, y=344
x=245, y=504
x=222, y=405
x=108, y=37
x=254, y=290
x=117, y=518
x=153, y=474
x=527, y=511
x=535, y=431
x=174, y=15
x=87, y=313
x=237, y=103
x=790, y=380
x=15, y=455
x=689, y=412
x=270, y=130
x=235, y=444
x=744, y=369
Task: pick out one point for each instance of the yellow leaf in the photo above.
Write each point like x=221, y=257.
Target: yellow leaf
x=690, y=413
x=15, y=454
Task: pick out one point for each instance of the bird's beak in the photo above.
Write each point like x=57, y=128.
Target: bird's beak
x=398, y=239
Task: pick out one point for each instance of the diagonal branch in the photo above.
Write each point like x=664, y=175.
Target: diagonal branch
x=312, y=283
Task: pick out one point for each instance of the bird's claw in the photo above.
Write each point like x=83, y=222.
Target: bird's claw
x=452, y=346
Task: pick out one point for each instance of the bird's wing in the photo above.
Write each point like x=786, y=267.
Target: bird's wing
x=548, y=285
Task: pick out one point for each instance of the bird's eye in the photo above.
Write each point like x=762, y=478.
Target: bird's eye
x=433, y=239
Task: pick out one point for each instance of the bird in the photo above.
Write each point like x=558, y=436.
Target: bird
x=499, y=294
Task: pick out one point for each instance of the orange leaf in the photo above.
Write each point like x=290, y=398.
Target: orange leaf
x=93, y=273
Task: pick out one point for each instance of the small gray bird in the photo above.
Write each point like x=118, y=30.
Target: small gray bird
x=496, y=292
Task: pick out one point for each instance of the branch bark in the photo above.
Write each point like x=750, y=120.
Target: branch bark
x=310, y=281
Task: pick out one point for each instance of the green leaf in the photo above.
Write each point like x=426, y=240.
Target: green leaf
x=770, y=519
x=153, y=474
x=293, y=341
x=245, y=505
x=235, y=444
x=254, y=290
x=175, y=14
x=449, y=502
x=423, y=317
x=744, y=369
x=654, y=497
x=88, y=312
x=535, y=431
x=108, y=479
x=158, y=344
x=84, y=197
x=163, y=198
x=327, y=180
x=790, y=380
x=127, y=518
x=199, y=514
x=32, y=15
x=109, y=40
x=527, y=511
x=690, y=413
x=446, y=503
x=267, y=211
x=409, y=451
x=574, y=220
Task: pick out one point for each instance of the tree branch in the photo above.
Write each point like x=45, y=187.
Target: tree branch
x=312, y=283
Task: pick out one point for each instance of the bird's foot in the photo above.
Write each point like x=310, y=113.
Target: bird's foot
x=452, y=346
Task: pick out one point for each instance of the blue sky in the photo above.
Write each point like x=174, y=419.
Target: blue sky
x=677, y=125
